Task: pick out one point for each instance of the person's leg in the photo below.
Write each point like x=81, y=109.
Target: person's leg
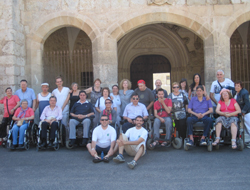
x=168, y=127
x=54, y=127
x=190, y=121
x=15, y=130
x=72, y=128
x=65, y=118
x=233, y=131
x=208, y=122
x=21, y=133
x=218, y=131
x=44, y=132
x=139, y=153
x=86, y=124
x=126, y=126
x=3, y=127
x=181, y=127
x=157, y=124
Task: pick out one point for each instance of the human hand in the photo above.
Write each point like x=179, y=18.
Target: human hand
x=161, y=100
x=12, y=111
x=130, y=120
x=162, y=120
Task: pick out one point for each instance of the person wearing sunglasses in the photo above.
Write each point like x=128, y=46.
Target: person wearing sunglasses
x=80, y=113
x=103, y=141
x=111, y=113
x=132, y=110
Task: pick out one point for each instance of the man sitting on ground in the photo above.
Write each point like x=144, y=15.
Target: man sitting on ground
x=134, y=143
x=103, y=140
x=80, y=112
x=200, y=108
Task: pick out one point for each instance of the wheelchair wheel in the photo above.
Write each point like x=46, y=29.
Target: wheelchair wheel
x=177, y=143
x=209, y=146
x=57, y=147
x=241, y=144
x=26, y=146
x=67, y=145
x=149, y=141
x=185, y=146
x=217, y=146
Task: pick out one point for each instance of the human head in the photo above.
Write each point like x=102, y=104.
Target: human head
x=97, y=82
x=139, y=121
x=82, y=95
x=125, y=83
x=135, y=98
x=115, y=89
x=238, y=85
x=74, y=86
x=106, y=92
x=175, y=87
x=108, y=103
x=197, y=78
x=225, y=95
x=23, y=84
x=141, y=85
x=8, y=91
x=199, y=91
x=183, y=84
x=220, y=75
x=160, y=93
x=24, y=103
x=104, y=120
x=45, y=87
x=59, y=81
x=52, y=101
x=158, y=83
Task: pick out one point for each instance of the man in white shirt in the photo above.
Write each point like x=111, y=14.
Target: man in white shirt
x=134, y=143
x=103, y=141
x=61, y=93
x=218, y=85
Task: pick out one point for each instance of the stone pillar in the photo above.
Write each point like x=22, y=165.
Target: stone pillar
x=105, y=62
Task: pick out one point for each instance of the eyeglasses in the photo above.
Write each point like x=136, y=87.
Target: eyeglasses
x=175, y=86
x=104, y=119
x=108, y=103
x=135, y=98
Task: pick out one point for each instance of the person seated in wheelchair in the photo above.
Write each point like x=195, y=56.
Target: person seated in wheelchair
x=162, y=113
x=103, y=141
x=49, y=118
x=111, y=113
x=200, y=108
x=228, y=109
x=132, y=110
x=21, y=117
x=80, y=113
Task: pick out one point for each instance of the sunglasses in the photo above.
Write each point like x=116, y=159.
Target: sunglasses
x=176, y=87
x=108, y=103
x=135, y=98
x=104, y=119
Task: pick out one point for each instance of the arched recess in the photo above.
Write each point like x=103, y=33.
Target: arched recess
x=40, y=33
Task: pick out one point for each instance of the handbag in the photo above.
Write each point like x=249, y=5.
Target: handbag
x=20, y=122
x=10, y=116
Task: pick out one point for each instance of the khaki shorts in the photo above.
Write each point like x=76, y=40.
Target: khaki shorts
x=131, y=150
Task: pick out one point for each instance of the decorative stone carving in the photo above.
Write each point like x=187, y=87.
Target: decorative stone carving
x=160, y=2
x=149, y=42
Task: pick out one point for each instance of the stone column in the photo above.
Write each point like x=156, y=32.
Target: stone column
x=105, y=62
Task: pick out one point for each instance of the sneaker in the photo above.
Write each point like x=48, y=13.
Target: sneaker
x=203, y=142
x=119, y=159
x=190, y=143
x=132, y=164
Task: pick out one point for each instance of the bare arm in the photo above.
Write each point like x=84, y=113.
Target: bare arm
x=210, y=110
x=37, y=102
x=34, y=105
x=140, y=140
x=212, y=98
x=88, y=90
x=189, y=94
x=218, y=110
x=167, y=109
x=66, y=102
x=150, y=105
x=111, y=150
x=191, y=112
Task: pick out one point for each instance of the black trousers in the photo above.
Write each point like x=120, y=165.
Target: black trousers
x=54, y=127
x=3, y=127
x=181, y=127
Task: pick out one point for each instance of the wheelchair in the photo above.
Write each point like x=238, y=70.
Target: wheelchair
x=58, y=137
x=198, y=129
x=225, y=136
x=79, y=134
x=29, y=135
x=176, y=141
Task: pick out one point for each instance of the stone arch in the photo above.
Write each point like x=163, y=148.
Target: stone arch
x=40, y=32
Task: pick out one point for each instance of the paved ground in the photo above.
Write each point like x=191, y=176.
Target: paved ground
x=158, y=169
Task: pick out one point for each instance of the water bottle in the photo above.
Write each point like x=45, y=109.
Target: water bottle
x=102, y=155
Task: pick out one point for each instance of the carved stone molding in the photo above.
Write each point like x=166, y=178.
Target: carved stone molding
x=149, y=42
x=160, y=2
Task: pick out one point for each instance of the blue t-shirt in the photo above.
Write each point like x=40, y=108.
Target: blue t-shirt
x=200, y=107
x=29, y=95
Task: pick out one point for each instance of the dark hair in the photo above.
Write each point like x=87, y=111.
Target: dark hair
x=201, y=87
x=106, y=88
x=239, y=82
x=139, y=117
x=230, y=96
x=184, y=80
x=104, y=116
x=97, y=80
x=23, y=80
x=160, y=90
x=116, y=86
x=82, y=91
x=108, y=100
x=193, y=84
x=59, y=77
x=8, y=89
x=53, y=97
x=134, y=94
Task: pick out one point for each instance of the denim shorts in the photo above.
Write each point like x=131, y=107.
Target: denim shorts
x=99, y=150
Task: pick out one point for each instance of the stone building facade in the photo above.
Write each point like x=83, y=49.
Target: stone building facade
x=193, y=35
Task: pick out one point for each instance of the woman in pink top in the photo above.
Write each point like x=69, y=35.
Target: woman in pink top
x=228, y=109
x=11, y=103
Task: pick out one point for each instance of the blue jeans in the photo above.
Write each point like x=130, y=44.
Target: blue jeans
x=168, y=126
x=208, y=122
x=21, y=131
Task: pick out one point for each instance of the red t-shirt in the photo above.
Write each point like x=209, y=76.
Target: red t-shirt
x=29, y=112
x=158, y=106
x=230, y=108
x=12, y=102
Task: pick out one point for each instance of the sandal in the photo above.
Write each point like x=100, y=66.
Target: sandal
x=97, y=159
x=217, y=141
x=106, y=159
x=164, y=144
x=153, y=144
x=234, y=145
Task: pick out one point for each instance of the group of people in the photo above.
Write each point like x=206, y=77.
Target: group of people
x=105, y=110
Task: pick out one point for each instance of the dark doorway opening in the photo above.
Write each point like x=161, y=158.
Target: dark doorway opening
x=143, y=67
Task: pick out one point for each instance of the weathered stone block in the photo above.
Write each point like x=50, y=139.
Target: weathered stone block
x=119, y=3
x=236, y=1
x=87, y=4
x=223, y=10
x=9, y=48
x=222, y=2
x=140, y=2
x=196, y=2
x=7, y=60
x=180, y=2
x=12, y=70
x=70, y=4
x=212, y=2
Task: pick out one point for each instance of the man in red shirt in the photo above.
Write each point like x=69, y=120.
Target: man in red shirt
x=162, y=113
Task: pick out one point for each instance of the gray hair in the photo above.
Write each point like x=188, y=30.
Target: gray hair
x=220, y=71
x=24, y=100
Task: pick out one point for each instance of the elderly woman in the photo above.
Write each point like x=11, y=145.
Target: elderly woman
x=228, y=109
x=50, y=117
x=125, y=94
x=11, y=103
x=242, y=98
x=22, y=115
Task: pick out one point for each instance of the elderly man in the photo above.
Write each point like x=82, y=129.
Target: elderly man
x=218, y=85
x=145, y=94
x=27, y=94
x=132, y=110
x=134, y=143
x=158, y=84
x=200, y=108
x=80, y=113
x=103, y=141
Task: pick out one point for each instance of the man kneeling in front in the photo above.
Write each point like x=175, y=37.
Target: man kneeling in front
x=134, y=143
x=103, y=141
